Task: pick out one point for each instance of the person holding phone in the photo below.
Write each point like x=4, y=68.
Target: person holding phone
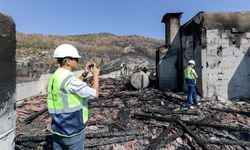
x=68, y=99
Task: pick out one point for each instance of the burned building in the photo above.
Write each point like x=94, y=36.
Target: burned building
x=220, y=45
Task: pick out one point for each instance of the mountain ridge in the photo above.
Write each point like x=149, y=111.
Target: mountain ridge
x=34, y=51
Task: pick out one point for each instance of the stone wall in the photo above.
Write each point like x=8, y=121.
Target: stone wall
x=227, y=64
x=8, y=82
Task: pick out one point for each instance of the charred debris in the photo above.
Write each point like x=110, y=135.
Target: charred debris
x=126, y=118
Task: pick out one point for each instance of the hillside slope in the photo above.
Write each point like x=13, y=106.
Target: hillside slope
x=34, y=51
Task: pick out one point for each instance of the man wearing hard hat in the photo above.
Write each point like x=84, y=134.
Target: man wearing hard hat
x=190, y=80
x=68, y=100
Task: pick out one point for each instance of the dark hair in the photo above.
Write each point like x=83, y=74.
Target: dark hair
x=61, y=61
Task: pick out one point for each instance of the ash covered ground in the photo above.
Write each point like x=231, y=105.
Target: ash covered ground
x=124, y=118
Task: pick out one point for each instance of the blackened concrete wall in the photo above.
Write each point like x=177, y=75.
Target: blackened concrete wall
x=8, y=82
x=226, y=56
x=227, y=64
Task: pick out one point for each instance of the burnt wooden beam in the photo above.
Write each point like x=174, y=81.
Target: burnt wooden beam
x=197, y=123
x=120, y=126
x=95, y=143
x=161, y=140
x=121, y=121
x=30, y=145
x=200, y=141
x=174, y=96
x=149, y=116
x=228, y=142
x=219, y=126
x=123, y=115
x=231, y=111
x=154, y=123
x=99, y=122
x=114, y=95
x=30, y=118
x=113, y=134
x=172, y=137
x=130, y=93
x=125, y=102
x=158, y=140
x=166, y=112
x=107, y=141
x=33, y=138
x=116, y=126
x=121, y=94
x=102, y=106
x=87, y=135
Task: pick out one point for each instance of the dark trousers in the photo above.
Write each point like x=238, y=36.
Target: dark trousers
x=191, y=96
x=71, y=143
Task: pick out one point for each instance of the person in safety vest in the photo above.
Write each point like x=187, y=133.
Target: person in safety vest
x=68, y=99
x=123, y=71
x=190, y=80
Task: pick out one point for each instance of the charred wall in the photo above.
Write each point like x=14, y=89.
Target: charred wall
x=227, y=64
x=169, y=66
x=226, y=55
x=8, y=82
x=226, y=20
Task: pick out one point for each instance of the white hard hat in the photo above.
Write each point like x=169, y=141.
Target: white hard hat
x=191, y=62
x=66, y=50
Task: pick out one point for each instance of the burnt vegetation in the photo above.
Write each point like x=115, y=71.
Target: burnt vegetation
x=34, y=51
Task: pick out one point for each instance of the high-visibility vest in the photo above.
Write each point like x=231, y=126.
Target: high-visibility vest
x=63, y=105
x=190, y=79
x=123, y=71
x=188, y=73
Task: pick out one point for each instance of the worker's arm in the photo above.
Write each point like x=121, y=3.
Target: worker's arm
x=82, y=89
x=194, y=73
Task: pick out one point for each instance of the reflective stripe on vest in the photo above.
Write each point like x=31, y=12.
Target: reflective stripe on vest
x=62, y=101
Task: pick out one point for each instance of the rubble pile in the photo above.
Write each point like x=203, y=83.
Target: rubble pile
x=125, y=118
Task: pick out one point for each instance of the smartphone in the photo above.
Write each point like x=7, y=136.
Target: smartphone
x=90, y=66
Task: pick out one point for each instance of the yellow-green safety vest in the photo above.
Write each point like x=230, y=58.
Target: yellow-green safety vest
x=62, y=102
x=189, y=74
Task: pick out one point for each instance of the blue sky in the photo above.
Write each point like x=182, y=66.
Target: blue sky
x=121, y=17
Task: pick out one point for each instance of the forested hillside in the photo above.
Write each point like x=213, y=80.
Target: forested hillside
x=34, y=51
